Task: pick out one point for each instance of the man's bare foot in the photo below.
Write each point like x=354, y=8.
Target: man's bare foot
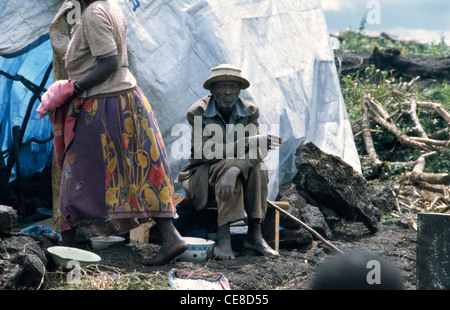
x=262, y=247
x=255, y=241
x=222, y=248
x=173, y=244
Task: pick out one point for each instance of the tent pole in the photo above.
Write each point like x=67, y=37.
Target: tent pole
x=16, y=138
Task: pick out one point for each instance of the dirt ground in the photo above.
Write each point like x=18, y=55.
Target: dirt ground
x=294, y=270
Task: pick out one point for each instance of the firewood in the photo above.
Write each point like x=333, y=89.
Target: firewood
x=365, y=123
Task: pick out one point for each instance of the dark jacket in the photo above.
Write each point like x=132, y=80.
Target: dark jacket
x=194, y=176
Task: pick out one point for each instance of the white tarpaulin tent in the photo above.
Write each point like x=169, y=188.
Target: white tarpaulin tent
x=282, y=47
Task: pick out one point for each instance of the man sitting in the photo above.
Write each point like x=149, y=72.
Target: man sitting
x=227, y=152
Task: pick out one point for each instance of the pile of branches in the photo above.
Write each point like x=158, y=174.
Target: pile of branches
x=428, y=143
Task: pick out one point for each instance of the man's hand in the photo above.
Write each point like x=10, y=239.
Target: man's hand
x=225, y=190
x=273, y=141
x=267, y=141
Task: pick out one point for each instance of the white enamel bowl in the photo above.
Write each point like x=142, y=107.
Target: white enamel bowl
x=199, y=250
x=66, y=257
x=100, y=243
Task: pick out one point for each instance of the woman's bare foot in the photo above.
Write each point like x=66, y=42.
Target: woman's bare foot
x=222, y=248
x=173, y=244
x=166, y=254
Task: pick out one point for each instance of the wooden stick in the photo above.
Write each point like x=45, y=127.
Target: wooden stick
x=368, y=130
x=392, y=164
x=312, y=231
x=401, y=137
x=435, y=106
x=379, y=107
x=418, y=174
x=440, y=134
x=367, y=137
x=431, y=141
x=415, y=119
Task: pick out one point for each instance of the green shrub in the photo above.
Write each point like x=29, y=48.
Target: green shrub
x=356, y=41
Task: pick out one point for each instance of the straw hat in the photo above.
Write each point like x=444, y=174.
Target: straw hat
x=226, y=72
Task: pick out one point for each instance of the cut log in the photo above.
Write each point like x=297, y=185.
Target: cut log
x=405, y=66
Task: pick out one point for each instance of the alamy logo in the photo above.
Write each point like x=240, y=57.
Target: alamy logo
x=75, y=14
x=374, y=275
x=211, y=141
x=374, y=15
x=74, y=275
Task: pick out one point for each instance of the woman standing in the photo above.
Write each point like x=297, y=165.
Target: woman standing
x=114, y=166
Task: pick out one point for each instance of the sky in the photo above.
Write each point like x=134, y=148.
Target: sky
x=420, y=20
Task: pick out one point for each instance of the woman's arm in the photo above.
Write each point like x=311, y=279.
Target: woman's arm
x=101, y=72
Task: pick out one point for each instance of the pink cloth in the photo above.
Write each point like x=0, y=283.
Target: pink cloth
x=55, y=96
x=63, y=119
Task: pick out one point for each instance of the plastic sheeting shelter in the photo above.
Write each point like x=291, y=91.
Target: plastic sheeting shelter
x=282, y=47
x=24, y=76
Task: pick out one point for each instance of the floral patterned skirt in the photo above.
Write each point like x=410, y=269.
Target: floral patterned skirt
x=115, y=169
